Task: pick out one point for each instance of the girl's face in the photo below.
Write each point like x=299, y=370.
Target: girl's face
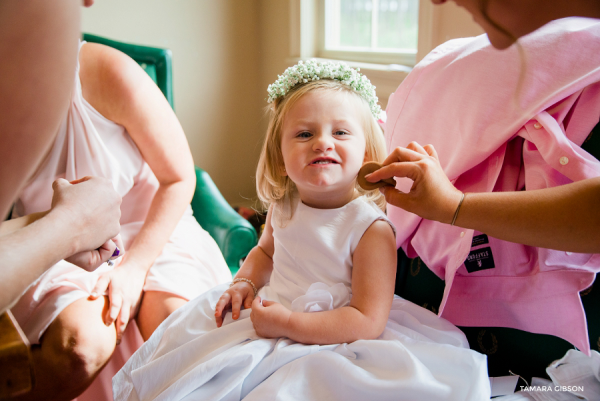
x=323, y=147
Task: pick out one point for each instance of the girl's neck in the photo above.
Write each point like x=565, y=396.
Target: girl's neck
x=329, y=200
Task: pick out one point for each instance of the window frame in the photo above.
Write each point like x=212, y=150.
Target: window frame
x=407, y=58
x=303, y=45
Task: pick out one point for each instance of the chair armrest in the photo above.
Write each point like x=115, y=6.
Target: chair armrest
x=234, y=235
x=16, y=363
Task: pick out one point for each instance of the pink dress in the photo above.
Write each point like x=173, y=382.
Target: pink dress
x=493, y=134
x=89, y=144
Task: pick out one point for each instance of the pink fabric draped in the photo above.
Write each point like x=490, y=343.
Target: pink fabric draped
x=493, y=133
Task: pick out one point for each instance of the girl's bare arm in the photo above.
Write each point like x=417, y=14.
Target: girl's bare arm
x=373, y=280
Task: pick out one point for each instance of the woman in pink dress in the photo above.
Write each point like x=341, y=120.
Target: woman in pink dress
x=119, y=126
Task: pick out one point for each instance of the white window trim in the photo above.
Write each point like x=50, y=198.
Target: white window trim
x=407, y=58
x=304, y=44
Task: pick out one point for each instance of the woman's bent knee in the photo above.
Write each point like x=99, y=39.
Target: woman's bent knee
x=77, y=342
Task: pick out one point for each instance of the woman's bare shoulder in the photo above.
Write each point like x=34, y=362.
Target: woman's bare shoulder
x=109, y=78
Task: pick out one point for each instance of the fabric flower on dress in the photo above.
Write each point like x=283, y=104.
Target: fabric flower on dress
x=320, y=297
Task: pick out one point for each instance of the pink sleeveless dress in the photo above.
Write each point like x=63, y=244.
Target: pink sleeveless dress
x=89, y=144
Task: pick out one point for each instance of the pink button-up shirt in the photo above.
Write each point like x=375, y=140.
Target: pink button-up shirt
x=494, y=134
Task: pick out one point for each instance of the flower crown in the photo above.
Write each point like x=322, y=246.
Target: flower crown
x=313, y=70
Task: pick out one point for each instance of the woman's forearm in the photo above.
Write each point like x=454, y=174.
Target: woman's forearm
x=13, y=225
x=30, y=251
x=342, y=325
x=166, y=209
x=564, y=218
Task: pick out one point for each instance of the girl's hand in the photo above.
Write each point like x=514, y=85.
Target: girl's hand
x=270, y=319
x=432, y=195
x=124, y=284
x=240, y=292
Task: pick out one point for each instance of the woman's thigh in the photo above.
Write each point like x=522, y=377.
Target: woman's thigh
x=156, y=306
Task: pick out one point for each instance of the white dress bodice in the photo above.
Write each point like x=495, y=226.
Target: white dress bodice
x=317, y=246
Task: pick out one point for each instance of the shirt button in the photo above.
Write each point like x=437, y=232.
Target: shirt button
x=462, y=234
x=569, y=253
x=537, y=125
x=564, y=160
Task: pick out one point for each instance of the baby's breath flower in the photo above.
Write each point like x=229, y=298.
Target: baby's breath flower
x=313, y=70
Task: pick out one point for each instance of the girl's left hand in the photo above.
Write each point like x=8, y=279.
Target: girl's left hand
x=124, y=285
x=270, y=319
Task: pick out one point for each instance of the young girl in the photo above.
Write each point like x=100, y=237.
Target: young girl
x=327, y=247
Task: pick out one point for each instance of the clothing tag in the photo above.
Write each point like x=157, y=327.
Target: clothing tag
x=503, y=385
x=479, y=240
x=480, y=259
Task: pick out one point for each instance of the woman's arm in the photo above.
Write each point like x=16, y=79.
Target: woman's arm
x=122, y=92
x=82, y=218
x=29, y=251
x=564, y=218
x=38, y=51
x=10, y=226
x=373, y=280
x=257, y=268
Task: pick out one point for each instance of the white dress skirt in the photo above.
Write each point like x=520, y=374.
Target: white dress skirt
x=419, y=356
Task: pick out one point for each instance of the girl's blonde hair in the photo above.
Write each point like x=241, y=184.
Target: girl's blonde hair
x=273, y=187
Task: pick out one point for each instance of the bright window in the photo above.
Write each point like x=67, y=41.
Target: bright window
x=383, y=31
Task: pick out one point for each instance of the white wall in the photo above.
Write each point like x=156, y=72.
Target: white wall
x=215, y=69
x=451, y=22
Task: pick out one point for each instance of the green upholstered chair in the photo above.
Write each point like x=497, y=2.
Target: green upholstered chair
x=508, y=350
x=234, y=235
